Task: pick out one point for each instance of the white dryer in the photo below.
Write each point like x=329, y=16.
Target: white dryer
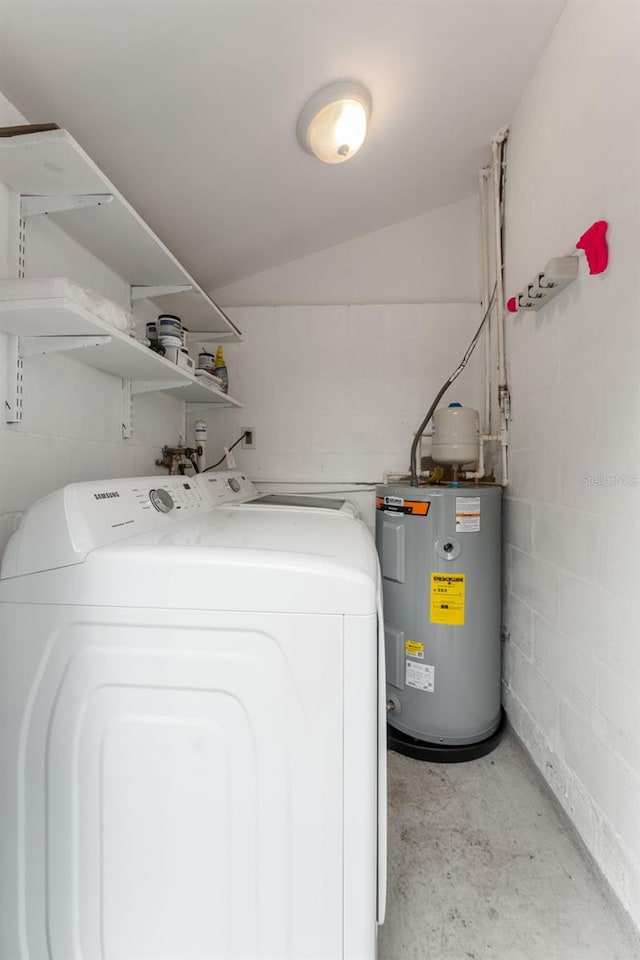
x=232, y=487
x=192, y=730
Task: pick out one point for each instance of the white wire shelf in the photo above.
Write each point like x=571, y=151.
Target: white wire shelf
x=57, y=324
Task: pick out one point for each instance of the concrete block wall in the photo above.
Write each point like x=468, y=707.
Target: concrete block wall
x=335, y=393
x=572, y=561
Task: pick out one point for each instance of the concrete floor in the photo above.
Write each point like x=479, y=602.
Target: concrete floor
x=484, y=866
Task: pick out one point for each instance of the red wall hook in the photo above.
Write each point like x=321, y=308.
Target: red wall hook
x=594, y=243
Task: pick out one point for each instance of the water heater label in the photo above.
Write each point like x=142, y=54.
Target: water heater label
x=413, y=648
x=467, y=514
x=447, y=598
x=416, y=508
x=420, y=675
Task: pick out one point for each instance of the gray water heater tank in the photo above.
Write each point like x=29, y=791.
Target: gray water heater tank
x=440, y=554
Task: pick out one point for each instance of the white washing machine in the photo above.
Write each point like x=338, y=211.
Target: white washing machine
x=192, y=729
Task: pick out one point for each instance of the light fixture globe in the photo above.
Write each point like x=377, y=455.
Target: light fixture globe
x=333, y=122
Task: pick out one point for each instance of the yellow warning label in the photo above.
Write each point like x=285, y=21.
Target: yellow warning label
x=413, y=648
x=447, y=598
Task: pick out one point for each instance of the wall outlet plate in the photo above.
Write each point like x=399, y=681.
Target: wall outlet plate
x=249, y=438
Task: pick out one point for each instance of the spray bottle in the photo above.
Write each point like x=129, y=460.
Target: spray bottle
x=220, y=371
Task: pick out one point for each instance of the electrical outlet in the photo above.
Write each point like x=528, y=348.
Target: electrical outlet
x=249, y=439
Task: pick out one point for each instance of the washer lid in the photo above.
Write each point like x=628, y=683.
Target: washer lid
x=299, y=500
x=291, y=561
x=303, y=502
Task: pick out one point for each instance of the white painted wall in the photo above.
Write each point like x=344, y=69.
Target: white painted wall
x=335, y=392
x=339, y=373
x=572, y=681
x=72, y=413
x=431, y=258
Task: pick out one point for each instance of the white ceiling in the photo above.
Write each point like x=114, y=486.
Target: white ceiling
x=190, y=107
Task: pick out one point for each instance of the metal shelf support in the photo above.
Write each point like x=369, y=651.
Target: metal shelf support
x=33, y=346
x=17, y=348
x=14, y=374
x=141, y=292
x=127, y=410
x=35, y=206
x=153, y=386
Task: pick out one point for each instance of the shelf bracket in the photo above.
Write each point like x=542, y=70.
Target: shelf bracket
x=152, y=386
x=33, y=346
x=35, y=206
x=17, y=348
x=14, y=383
x=198, y=336
x=142, y=292
x=132, y=387
x=127, y=410
x=193, y=405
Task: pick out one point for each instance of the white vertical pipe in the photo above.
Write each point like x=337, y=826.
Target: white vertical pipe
x=200, y=431
x=479, y=473
x=484, y=250
x=503, y=391
x=505, y=462
x=497, y=221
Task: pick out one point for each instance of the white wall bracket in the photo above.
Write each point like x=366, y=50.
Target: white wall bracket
x=12, y=400
x=199, y=336
x=17, y=348
x=152, y=386
x=141, y=292
x=192, y=406
x=222, y=336
x=35, y=206
x=34, y=346
x=127, y=410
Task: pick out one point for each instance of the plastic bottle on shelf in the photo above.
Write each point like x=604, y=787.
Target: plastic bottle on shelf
x=220, y=370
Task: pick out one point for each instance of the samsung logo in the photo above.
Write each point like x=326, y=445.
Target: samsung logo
x=110, y=495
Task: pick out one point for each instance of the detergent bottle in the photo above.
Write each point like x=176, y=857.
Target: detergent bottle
x=220, y=370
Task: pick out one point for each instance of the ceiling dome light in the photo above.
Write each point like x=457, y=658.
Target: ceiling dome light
x=333, y=122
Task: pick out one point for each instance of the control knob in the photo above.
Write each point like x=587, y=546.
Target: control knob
x=161, y=500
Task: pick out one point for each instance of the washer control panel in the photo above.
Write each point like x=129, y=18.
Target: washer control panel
x=226, y=486
x=64, y=527
x=176, y=496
